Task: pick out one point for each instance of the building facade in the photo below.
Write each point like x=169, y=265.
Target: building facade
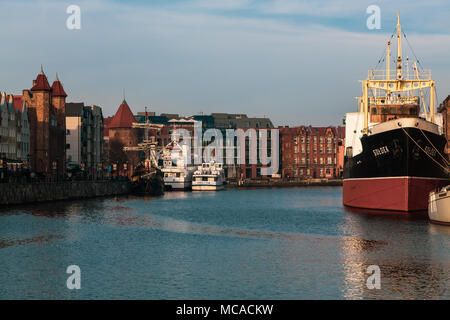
x=84, y=138
x=311, y=152
x=122, y=134
x=14, y=130
x=444, y=109
x=46, y=114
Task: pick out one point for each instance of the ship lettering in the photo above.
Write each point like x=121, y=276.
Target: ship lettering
x=380, y=151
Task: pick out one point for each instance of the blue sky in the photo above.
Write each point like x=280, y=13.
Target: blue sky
x=297, y=62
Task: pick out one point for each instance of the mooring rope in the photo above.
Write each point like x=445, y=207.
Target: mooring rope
x=445, y=160
x=440, y=165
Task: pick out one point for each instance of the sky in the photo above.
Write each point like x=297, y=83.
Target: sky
x=297, y=62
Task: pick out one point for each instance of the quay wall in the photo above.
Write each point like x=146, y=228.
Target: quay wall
x=284, y=183
x=18, y=193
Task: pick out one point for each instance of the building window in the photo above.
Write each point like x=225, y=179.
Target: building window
x=303, y=160
x=68, y=132
x=329, y=160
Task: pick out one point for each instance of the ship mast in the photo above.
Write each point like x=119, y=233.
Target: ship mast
x=381, y=80
x=399, y=48
x=388, y=61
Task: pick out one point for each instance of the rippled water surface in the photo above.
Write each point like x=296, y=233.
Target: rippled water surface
x=234, y=244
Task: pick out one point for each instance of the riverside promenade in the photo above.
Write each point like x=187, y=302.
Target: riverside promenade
x=19, y=193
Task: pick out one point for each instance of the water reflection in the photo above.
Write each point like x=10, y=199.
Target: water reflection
x=248, y=244
x=411, y=264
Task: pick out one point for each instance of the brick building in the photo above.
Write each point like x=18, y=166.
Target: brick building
x=311, y=152
x=121, y=134
x=47, y=117
x=444, y=108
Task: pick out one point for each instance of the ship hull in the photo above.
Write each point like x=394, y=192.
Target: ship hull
x=390, y=193
x=392, y=173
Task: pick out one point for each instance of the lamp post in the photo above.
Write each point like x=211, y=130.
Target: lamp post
x=54, y=168
x=82, y=165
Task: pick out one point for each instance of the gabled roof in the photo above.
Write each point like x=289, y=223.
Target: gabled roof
x=123, y=118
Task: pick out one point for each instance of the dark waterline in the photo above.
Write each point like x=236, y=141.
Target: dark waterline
x=297, y=243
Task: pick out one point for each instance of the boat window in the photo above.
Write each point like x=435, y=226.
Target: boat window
x=384, y=111
x=374, y=110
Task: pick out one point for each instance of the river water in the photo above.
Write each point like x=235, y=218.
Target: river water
x=297, y=243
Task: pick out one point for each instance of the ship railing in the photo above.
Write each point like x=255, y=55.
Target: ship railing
x=424, y=74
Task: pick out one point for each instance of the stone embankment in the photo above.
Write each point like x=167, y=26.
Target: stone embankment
x=18, y=193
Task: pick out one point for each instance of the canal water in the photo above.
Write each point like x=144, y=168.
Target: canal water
x=297, y=243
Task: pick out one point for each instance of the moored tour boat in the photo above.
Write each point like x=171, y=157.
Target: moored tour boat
x=394, y=152
x=208, y=177
x=177, y=174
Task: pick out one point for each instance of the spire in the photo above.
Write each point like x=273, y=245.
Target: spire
x=124, y=101
x=41, y=82
x=57, y=88
x=123, y=118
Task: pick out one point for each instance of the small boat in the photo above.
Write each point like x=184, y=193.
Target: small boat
x=209, y=177
x=439, y=206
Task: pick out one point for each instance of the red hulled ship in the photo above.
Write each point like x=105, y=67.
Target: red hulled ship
x=394, y=144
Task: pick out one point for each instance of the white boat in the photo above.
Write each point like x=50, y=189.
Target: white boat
x=439, y=206
x=209, y=177
x=177, y=175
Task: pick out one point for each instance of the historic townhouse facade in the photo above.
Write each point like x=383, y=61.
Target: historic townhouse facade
x=46, y=114
x=311, y=152
x=14, y=130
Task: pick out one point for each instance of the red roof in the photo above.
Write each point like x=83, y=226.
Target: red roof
x=41, y=83
x=18, y=103
x=57, y=89
x=123, y=118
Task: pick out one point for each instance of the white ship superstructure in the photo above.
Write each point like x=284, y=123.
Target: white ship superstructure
x=209, y=177
x=177, y=173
